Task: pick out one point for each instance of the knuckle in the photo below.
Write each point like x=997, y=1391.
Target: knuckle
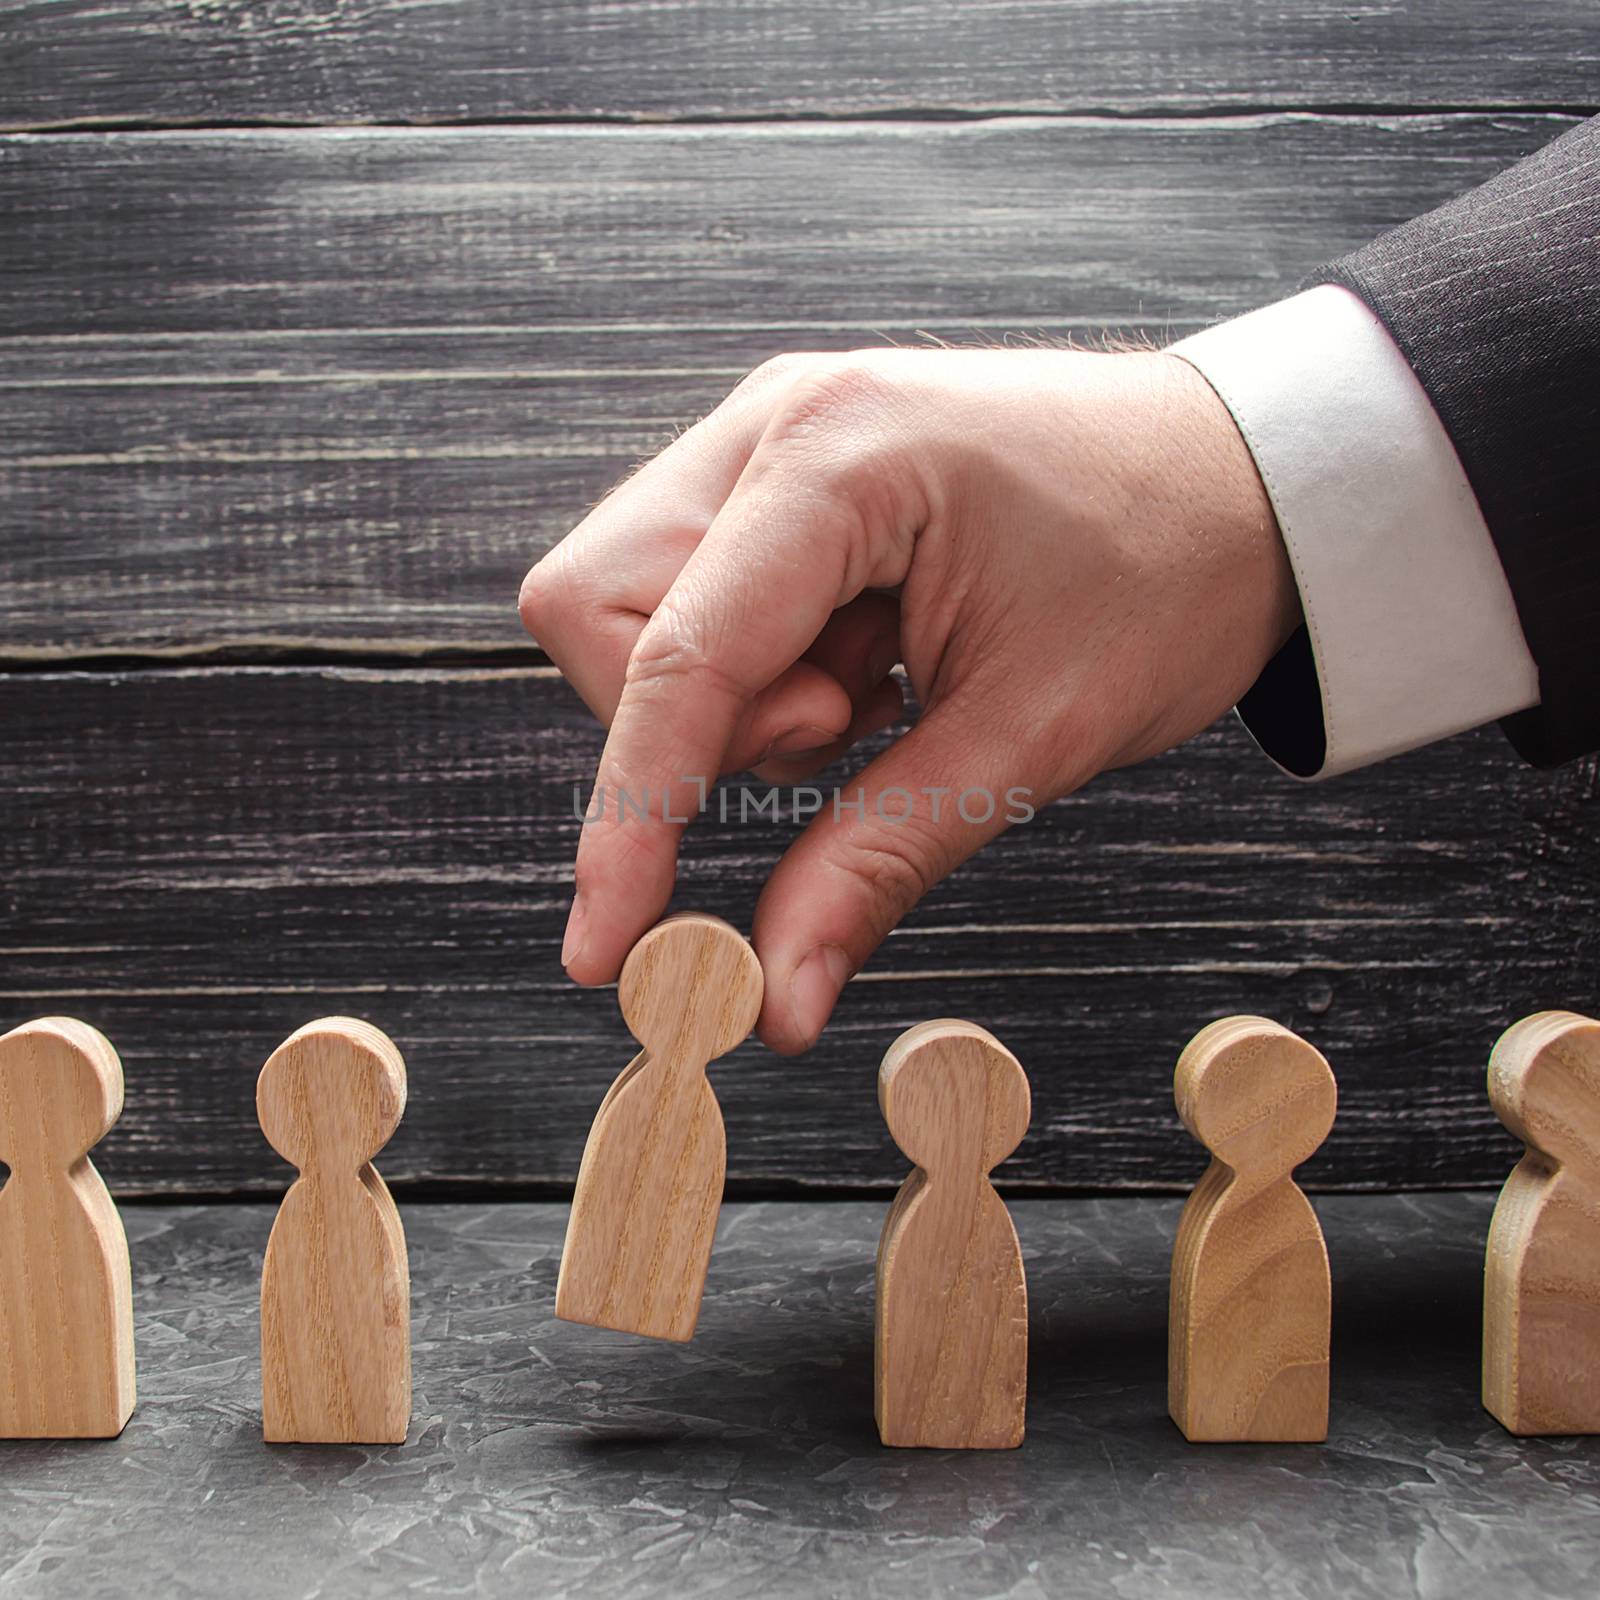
x=564, y=588
x=671, y=651
x=842, y=388
x=893, y=867
x=560, y=592
x=844, y=423
x=543, y=596
x=776, y=369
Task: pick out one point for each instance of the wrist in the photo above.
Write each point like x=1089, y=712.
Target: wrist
x=1231, y=513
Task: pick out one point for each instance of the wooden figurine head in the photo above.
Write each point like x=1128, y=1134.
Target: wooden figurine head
x=1544, y=1084
x=1258, y=1097
x=332, y=1094
x=955, y=1099
x=60, y=1092
x=690, y=989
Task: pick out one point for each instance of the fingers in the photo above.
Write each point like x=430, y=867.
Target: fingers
x=858, y=649
x=804, y=708
x=587, y=600
x=926, y=804
x=882, y=707
x=804, y=530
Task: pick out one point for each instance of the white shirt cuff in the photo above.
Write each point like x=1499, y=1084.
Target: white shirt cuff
x=1412, y=629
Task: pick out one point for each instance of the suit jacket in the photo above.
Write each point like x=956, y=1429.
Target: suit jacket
x=1494, y=299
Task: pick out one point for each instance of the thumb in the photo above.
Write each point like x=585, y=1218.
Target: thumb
x=877, y=846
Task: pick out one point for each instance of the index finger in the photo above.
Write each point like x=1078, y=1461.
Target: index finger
x=789, y=546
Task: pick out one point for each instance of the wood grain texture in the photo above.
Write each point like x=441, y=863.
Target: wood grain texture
x=1251, y=1294
x=66, y=1290
x=196, y=861
x=1016, y=220
x=335, y=1283
x=950, y=1366
x=650, y=1184
x=1541, y=1286
x=483, y=60
x=339, y=389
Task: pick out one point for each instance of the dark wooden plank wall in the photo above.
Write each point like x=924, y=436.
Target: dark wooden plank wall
x=75, y=63
x=297, y=407
x=424, y=353
x=201, y=859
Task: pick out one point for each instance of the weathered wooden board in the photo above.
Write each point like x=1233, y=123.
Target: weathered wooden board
x=339, y=389
x=198, y=861
x=1020, y=220
x=299, y=61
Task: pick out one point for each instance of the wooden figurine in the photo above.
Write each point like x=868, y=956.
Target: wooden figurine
x=1247, y=1354
x=66, y=1292
x=1541, y=1285
x=335, y=1285
x=650, y=1183
x=951, y=1367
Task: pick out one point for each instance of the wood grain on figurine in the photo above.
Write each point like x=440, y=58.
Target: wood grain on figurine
x=1251, y=1295
x=66, y=1294
x=335, y=1285
x=1541, y=1285
x=650, y=1184
x=951, y=1347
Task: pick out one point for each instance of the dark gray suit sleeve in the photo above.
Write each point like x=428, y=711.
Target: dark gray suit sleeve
x=1495, y=301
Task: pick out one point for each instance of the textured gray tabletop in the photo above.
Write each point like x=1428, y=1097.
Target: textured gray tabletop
x=552, y=1460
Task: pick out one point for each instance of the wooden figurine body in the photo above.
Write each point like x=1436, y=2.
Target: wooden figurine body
x=650, y=1184
x=1251, y=1296
x=335, y=1285
x=951, y=1362
x=1541, y=1286
x=66, y=1294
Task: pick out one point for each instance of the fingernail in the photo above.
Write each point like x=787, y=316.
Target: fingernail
x=572, y=945
x=796, y=741
x=815, y=986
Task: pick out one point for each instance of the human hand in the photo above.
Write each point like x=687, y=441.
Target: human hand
x=1072, y=555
